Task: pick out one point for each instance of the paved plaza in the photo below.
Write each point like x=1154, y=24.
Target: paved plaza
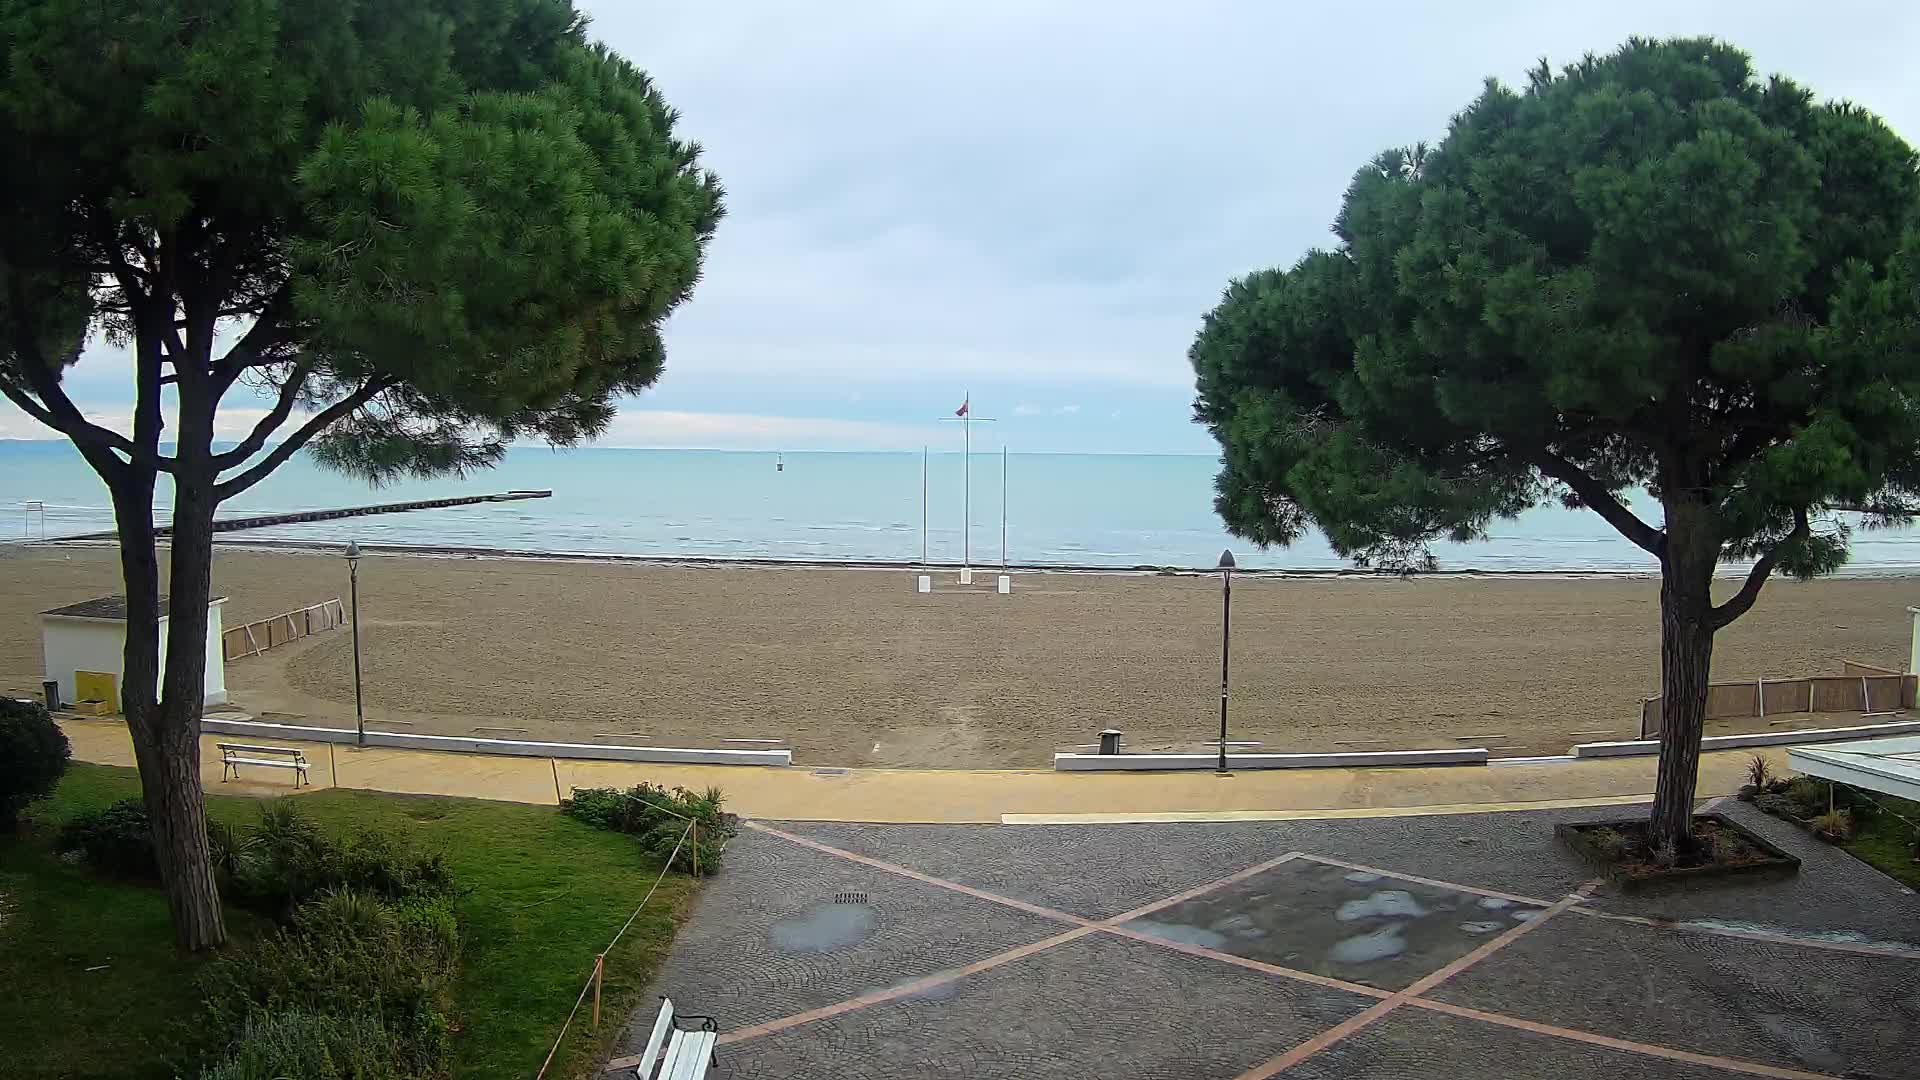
x=1461, y=946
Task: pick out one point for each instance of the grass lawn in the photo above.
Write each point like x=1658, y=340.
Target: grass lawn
x=1885, y=842
x=538, y=895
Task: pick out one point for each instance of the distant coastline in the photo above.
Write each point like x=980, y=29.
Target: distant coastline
x=451, y=551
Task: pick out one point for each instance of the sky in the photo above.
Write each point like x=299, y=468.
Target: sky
x=1033, y=204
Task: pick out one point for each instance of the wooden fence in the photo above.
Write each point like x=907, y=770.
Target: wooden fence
x=1862, y=688
x=257, y=637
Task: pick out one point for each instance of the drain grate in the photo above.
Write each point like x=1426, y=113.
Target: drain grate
x=849, y=898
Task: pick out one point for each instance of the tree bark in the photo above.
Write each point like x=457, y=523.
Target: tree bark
x=166, y=738
x=175, y=800
x=1686, y=663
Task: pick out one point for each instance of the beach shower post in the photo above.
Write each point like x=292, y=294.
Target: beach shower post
x=1226, y=643
x=353, y=591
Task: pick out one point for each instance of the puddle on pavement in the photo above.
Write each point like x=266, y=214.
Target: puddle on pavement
x=1350, y=924
x=1180, y=932
x=1366, y=948
x=1839, y=937
x=824, y=927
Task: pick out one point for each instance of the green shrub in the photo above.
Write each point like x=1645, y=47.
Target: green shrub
x=1809, y=794
x=659, y=816
x=349, y=954
x=285, y=859
x=1759, y=772
x=117, y=840
x=1610, y=843
x=1835, y=826
x=33, y=757
x=379, y=863
x=1777, y=804
x=312, y=1046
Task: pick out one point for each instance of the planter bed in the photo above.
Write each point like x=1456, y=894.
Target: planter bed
x=1729, y=852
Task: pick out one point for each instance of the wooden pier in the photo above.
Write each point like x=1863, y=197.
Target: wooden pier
x=264, y=520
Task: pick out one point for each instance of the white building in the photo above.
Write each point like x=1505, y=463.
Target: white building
x=91, y=636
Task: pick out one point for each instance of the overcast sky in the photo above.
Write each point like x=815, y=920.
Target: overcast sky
x=1037, y=202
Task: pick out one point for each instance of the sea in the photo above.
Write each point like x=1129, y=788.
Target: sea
x=1093, y=511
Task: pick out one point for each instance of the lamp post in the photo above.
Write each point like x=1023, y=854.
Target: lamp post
x=1226, y=642
x=353, y=586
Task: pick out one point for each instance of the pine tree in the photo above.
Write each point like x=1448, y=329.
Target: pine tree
x=423, y=228
x=1650, y=270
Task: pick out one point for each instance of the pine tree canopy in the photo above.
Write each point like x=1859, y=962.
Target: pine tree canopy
x=1650, y=270
x=421, y=228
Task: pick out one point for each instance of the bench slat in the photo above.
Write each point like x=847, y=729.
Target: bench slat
x=670, y=1059
x=661, y=1025
x=271, y=763
x=696, y=1055
x=247, y=748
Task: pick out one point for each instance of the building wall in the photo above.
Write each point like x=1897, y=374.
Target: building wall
x=69, y=645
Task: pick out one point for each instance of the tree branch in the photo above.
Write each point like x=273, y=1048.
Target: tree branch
x=262, y=431
x=1596, y=497
x=1741, y=602
x=292, y=444
x=54, y=408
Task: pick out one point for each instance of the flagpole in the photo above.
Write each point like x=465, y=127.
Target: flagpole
x=964, y=414
x=1003, y=507
x=923, y=506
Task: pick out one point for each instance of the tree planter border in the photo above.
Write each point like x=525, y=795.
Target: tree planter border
x=1779, y=864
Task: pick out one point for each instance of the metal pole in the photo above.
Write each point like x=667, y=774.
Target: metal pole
x=966, y=497
x=1226, y=642
x=923, y=506
x=1003, y=507
x=359, y=711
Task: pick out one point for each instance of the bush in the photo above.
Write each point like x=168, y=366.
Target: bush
x=1834, y=826
x=116, y=840
x=33, y=757
x=309, y=1045
x=285, y=859
x=1776, y=803
x=272, y=866
x=351, y=955
x=1759, y=772
x=658, y=816
x=1809, y=794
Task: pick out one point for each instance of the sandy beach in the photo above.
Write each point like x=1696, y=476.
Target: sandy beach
x=853, y=668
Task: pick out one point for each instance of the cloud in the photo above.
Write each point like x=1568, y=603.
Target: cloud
x=1040, y=202
x=745, y=431
x=229, y=424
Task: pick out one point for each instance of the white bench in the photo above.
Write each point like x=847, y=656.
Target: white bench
x=234, y=755
x=687, y=1054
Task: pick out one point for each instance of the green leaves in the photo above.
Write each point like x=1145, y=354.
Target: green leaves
x=1649, y=269
x=463, y=222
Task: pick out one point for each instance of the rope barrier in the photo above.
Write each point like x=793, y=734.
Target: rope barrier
x=593, y=978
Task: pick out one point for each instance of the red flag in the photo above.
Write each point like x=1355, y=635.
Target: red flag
x=962, y=410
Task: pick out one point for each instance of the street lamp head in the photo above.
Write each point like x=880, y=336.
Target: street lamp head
x=1226, y=561
x=353, y=552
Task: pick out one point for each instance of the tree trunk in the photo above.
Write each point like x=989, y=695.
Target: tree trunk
x=1686, y=663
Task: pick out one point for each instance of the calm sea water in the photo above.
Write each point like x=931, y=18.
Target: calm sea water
x=1060, y=509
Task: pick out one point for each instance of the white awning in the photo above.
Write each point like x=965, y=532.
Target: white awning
x=1888, y=766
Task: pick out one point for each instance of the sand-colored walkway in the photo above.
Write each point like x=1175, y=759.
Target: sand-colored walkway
x=959, y=796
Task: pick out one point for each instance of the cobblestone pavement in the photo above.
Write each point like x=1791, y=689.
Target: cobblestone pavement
x=1468, y=946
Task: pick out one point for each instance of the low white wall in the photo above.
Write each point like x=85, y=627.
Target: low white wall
x=510, y=747
x=70, y=645
x=1350, y=760
x=1632, y=747
x=214, y=685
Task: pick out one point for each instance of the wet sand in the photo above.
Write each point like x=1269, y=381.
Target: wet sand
x=853, y=668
